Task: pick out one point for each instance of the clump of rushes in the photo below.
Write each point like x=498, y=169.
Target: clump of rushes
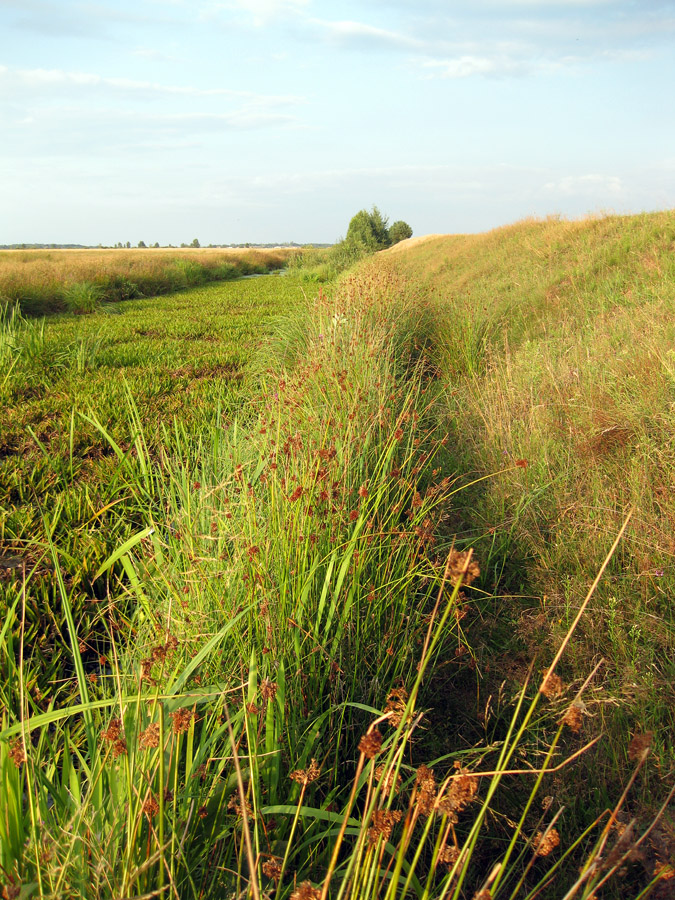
x=289, y=584
x=82, y=297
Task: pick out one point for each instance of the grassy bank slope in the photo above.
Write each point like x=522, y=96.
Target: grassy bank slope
x=558, y=360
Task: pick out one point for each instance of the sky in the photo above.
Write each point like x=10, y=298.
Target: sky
x=277, y=120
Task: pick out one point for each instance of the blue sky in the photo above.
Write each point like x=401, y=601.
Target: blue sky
x=266, y=120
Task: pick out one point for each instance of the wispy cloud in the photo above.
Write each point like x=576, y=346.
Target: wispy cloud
x=507, y=37
x=66, y=18
x=40, y=80
x=586, y=185
x=465, y=66
x=350, y=32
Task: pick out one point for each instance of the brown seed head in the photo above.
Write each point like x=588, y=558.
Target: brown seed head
x=16, y=752
x=305, y=891
x=159, y=653
x=389, y=783
x=306, y=776
x=546, y=842
x=113, y=730
x=448, y=856
x=149, y=739
x=119, y=747
x=272, y=867
x=457, y=563
x=460, y=792
x=382, y=824
x=640, y=747
x=151, y=806
x=268, y=689
x=396, y=703
x=573, y=718
x=371, y=743
x=552, y=685
x=146, y=670
x=664, y=871
x=425, y=783
x=181, y=719
x=234, y=804
x=425, y=778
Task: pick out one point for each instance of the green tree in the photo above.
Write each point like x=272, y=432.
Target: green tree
x=368, y=231
x=141, y=244
x=195, y=243
x=399, y=231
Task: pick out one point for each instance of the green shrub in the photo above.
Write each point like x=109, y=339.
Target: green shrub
x=399, y=231
x=82, y=297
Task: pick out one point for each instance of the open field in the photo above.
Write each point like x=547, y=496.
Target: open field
x=43, y=281
x=246, y=649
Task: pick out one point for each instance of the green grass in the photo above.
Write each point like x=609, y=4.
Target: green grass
x=184, y=357
x=556, y=349
x=235, y=613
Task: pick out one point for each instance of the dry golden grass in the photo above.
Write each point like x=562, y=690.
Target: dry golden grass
x=558, y=349
x=85, y=265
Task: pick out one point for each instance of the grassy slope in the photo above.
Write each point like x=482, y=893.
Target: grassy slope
x=558, y=350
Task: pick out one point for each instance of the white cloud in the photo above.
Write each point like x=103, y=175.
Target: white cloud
x=586, y=185
x=348, y=30
x=41, y=79
x=466, y=66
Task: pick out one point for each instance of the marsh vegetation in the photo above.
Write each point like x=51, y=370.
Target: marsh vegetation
x=301, y=597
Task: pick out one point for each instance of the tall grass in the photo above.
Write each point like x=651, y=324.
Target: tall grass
x=252, y=725
x=42, y=282
x=555, y=358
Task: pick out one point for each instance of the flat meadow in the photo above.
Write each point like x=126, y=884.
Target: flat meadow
x=47, y=281
x=300, y=587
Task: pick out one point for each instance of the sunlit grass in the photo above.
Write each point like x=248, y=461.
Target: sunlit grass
x=228, y=644
x=556, y=356
x=46, y=281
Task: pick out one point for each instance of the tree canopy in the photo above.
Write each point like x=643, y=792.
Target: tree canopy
x=399, y=231
x=370, y=231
